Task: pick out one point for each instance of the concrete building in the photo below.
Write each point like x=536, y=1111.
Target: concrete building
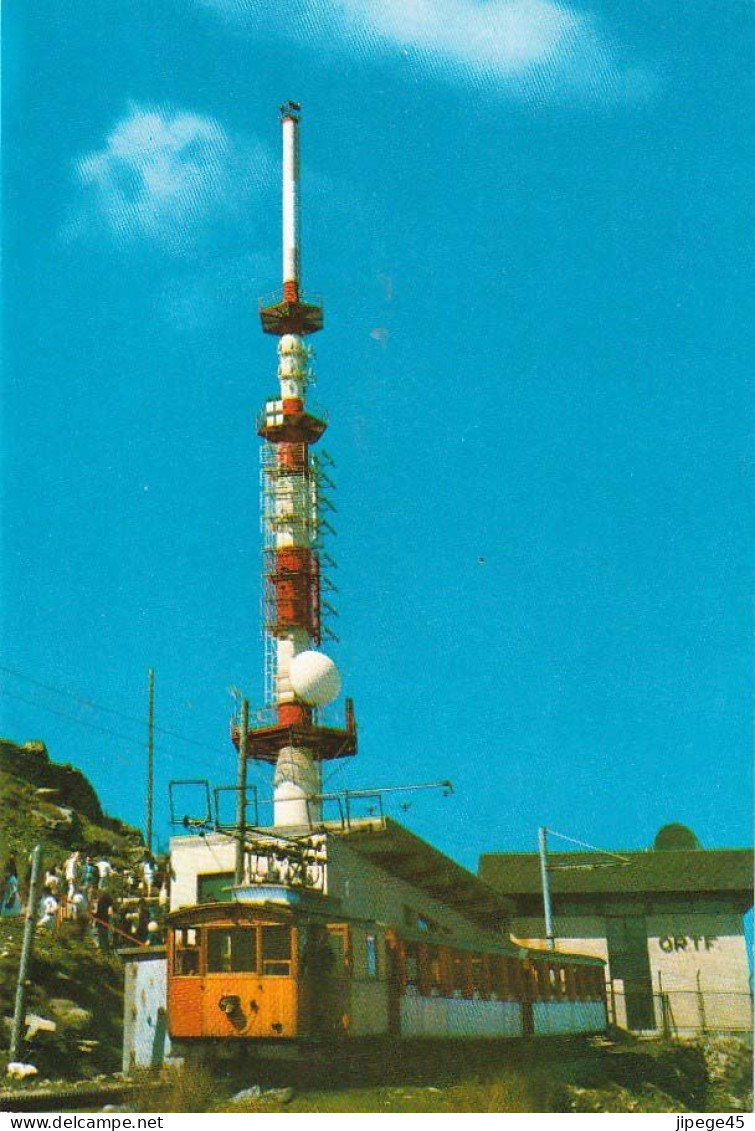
x=374, y=869
x=378, y=873
x=668, y=923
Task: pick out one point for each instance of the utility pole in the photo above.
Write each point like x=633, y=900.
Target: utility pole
x=241, y=793
x=150, y=755
x=26, y=949
x=542, y=840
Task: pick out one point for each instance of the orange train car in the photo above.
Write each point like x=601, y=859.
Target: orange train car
x=265, y=975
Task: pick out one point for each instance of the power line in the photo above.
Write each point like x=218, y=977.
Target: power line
x=81, y=722
x=86, y=702
x=591, y=847
x=139, y=743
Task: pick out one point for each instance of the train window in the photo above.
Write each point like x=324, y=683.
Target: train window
x=185, y=952
x=339, y=943
x=557, y=981
x=459, y=979
x=516, y=978
x=371, y=956
x=276, y=951
x=479, y=977
x=411, y=966
x=231, y=950
x=500, y=977
x=542, y=980
x=434, y=972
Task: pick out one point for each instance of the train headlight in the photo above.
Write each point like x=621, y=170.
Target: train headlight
x=229, y=1004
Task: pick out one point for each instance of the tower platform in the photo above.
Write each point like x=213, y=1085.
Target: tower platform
x=282, y=316
x=264, y=744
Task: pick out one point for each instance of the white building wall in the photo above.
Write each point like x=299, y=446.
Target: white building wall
x=145, y=1031
x=699, y=958
x=194, y=856
x=683, y=947
x=369, y=892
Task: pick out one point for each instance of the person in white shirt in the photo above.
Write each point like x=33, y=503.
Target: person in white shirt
x=72, y=869
x=104, y=870
x=48, y=909
x=148, y=872
x=79, y=905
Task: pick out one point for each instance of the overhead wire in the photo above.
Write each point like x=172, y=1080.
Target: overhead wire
x=87, y=702
x=90, y=703
x=591, y=847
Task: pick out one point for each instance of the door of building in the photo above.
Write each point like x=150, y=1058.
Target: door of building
x=628, y=960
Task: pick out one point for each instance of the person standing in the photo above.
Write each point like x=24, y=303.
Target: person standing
x=48, y=909
x=104, y=872
x=141, y=927
x=103, y=911
x=72, y=870
x=79, y=907
x=148, y=874
x=10, y=904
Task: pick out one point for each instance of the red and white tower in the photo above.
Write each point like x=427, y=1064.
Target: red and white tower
x=300, y=679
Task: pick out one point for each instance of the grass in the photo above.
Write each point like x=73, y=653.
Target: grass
x=571, y=1074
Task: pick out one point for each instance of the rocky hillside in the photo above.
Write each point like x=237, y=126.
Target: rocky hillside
x=72, y=983
x=43, y=802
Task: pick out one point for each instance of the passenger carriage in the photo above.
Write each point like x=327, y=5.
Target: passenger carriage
x=271, y=974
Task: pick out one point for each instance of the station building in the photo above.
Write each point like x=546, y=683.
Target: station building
x=669, y=923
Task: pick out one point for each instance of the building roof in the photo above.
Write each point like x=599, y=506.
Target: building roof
x=402, y=853
x=719, y=870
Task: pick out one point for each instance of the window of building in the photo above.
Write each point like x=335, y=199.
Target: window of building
x=276, y=951
x=231, y=950
x=214, y=887
x=371, y=951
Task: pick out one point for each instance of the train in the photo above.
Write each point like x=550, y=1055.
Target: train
x=274, y=974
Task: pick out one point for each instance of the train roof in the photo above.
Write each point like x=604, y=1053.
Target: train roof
x=507, y=948
x=238, y=910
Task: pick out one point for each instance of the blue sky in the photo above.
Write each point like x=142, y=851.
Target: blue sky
x=528, y=223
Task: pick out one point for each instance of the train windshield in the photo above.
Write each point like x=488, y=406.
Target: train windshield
x=231, y=950
x=276, y=950
x=186, y=955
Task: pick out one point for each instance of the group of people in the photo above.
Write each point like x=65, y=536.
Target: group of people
x=118, y=907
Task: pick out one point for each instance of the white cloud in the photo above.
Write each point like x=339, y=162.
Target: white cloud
x=535, y=49
x=166, y=175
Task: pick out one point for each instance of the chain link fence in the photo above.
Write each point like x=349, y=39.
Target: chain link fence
x=681, y=1013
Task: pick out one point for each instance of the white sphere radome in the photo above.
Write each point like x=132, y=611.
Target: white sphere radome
x=314, y=678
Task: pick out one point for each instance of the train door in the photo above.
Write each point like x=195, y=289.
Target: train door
x=528, y=984
x=339, y=940
x=325, y=979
